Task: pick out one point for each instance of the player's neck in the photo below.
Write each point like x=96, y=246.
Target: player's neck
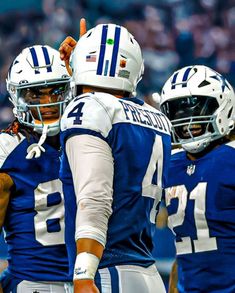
x=54, y=141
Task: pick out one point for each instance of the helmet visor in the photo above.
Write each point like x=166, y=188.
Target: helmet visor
x=44, y=104
x=190, y=116
x=44, y=94
x=192, y=106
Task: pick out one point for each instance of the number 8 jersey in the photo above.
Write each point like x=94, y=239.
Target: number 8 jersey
x=200, y=199
x=34, y=223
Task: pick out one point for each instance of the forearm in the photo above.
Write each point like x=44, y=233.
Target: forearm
x=92, y=219
x=173, y=280
x=89, y=253
x=90, y=246
x=5, y=185
x=91, y=164
x=3, y=266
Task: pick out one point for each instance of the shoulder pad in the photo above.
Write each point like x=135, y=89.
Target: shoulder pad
x=90, y=112
x=7, y=144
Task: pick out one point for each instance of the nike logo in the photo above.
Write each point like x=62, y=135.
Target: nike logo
x=79, y=272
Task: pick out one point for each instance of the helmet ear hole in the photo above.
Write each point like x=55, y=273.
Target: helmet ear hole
x=230, y=113
x=89, y=35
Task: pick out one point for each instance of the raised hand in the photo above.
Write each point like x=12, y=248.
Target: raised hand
x=67, y=46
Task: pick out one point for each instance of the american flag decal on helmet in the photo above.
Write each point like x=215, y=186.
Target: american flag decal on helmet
x=91, y=58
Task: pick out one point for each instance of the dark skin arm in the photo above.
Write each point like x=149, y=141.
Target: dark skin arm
x=173, y=280
x=6, y=184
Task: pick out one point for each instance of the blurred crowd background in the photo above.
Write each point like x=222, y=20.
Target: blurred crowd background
x=172, y=34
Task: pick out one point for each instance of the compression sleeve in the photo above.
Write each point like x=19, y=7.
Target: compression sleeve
x=91, y=164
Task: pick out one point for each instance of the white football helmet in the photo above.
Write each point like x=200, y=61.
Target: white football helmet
x=36, y=72
x=107, y=56
x=200, y=104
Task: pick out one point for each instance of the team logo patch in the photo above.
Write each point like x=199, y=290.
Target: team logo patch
x=190, y=169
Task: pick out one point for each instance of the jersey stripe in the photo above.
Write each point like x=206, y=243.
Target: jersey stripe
x=114, y=279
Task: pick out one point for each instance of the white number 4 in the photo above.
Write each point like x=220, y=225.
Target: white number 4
x=149, y=189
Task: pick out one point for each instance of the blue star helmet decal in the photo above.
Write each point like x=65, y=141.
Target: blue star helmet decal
x=222, y=80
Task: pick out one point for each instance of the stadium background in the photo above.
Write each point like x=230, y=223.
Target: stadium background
x=172, y=34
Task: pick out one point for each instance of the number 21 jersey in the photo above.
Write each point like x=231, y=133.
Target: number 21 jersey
x=200, y=199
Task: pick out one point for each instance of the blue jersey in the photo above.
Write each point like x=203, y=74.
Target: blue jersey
x=34, y=223
x=200, y=199
x=138, y=136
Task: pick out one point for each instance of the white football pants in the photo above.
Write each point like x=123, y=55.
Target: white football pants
x=43, y=287
x=130, y=279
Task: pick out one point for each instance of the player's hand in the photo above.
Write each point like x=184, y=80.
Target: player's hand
x=67, y=46
x=85, y=286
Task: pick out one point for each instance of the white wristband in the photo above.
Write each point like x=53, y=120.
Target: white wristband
x=86, y=266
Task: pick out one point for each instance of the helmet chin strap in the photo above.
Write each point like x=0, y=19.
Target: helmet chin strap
x=194, y=147
x=35, y=149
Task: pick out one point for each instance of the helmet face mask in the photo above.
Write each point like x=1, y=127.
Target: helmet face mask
x=42, y=105
x=107, y=56
x=38, y=84
x=201, y=109
x=190, y=116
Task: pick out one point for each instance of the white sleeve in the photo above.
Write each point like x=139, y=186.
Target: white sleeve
x=7, y=145
x=91, y=163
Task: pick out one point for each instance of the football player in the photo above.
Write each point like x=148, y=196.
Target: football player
x=200, y=193
x=116, y=151
x=31, y=197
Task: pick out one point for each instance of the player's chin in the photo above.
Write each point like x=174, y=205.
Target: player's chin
x=50, y=117
x=50, y=114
